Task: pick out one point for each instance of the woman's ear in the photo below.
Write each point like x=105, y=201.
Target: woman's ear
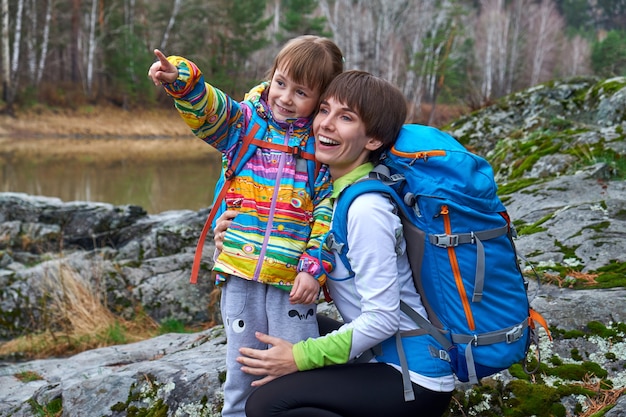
x=373, y=144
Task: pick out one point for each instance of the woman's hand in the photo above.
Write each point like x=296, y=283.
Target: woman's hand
x=221, y=224
x=271, y=363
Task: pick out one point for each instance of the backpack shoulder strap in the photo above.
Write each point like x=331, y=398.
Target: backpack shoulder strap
x=337, y=239
x=229, y=175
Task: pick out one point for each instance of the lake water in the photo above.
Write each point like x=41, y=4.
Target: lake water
x=155, y=186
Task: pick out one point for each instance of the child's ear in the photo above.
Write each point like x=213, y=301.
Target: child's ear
x=373, y=144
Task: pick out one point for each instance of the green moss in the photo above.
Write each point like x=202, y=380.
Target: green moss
x=576, y=354
x=612, y=275
x=576, y=372
x=532, y=399
x=535, y=227
x=516, y=185
x=573, y=334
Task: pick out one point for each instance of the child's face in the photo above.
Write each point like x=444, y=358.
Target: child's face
x=340, y=138
x=289, y=100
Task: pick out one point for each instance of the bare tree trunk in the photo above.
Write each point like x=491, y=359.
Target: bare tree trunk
x=45, y=41
x=548, y=25
x=515, y=43
x=75, y=40
x=91, y=47
x=31, y=39
x=17, y=40
x=170, y=24
x=7, y=93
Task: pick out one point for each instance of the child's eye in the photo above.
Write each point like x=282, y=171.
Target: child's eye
x=346, y=118
x=301, y=93
x=280, y=83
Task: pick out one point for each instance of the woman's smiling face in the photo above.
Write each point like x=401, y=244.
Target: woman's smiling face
x=340, y=138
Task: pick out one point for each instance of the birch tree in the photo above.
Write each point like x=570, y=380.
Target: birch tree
x=545, y=28
x=170, y=24
x=6, y=60
x=91, y=47
x=17, y=38
x=575, y=57
x=45, y=41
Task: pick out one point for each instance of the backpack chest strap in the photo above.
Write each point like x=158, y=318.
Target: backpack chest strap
x=450, y=241
x=292, y=150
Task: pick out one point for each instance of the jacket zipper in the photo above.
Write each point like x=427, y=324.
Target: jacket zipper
x=270, y=219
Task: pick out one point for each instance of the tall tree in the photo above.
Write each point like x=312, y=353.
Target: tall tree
x=299, y=17
x=91, y=47
x=546, y=28
x=170, y=24
x=608, y=56
x=45, y=41
x=7, y=93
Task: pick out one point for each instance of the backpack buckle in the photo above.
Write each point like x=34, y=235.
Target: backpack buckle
x=445, y=241
x=332, y=244
x=514, y=334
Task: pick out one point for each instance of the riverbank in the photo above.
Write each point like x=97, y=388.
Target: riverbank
x=105, y=134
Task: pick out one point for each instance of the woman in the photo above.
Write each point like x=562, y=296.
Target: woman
x=351, y=132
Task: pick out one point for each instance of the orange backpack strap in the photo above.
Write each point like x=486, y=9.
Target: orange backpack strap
x=229, y=175
x=534, y=316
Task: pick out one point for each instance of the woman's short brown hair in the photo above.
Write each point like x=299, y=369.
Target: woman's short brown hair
x=309, y=60
x=381, y=105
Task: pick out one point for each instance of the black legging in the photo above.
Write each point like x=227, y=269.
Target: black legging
x=352, y=390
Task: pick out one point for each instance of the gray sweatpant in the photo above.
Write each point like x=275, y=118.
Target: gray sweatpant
x=248, y=307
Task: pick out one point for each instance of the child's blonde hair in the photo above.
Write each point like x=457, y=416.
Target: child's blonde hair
x=309, y=60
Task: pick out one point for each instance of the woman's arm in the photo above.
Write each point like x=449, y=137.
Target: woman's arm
x=372, y=239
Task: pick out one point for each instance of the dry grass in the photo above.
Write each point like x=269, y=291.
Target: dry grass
x=76, y=319
x=104, y=134
x=605, y=397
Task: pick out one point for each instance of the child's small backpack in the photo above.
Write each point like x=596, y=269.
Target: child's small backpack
x=460, y=247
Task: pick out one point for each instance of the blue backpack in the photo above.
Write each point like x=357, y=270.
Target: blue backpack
x=460, y=247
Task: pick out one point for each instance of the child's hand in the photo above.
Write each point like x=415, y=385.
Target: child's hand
x=162, y=71
x=305, y=289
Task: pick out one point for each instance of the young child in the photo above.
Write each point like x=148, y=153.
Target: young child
x=280, y=220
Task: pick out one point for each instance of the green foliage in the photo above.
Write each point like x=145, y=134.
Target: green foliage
x=52, y=409
x=116, y=334
x=297, y=18
x=237, y=29
x=28, y=376
x=172, y=326
x=126, y=61
x=576, y=13
x=608, y=57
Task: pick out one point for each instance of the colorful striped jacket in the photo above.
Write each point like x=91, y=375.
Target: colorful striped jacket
x=281, y=218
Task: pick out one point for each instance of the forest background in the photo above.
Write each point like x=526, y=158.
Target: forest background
x=460, y=54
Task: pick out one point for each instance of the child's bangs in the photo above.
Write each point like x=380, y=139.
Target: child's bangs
x=310, y=73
